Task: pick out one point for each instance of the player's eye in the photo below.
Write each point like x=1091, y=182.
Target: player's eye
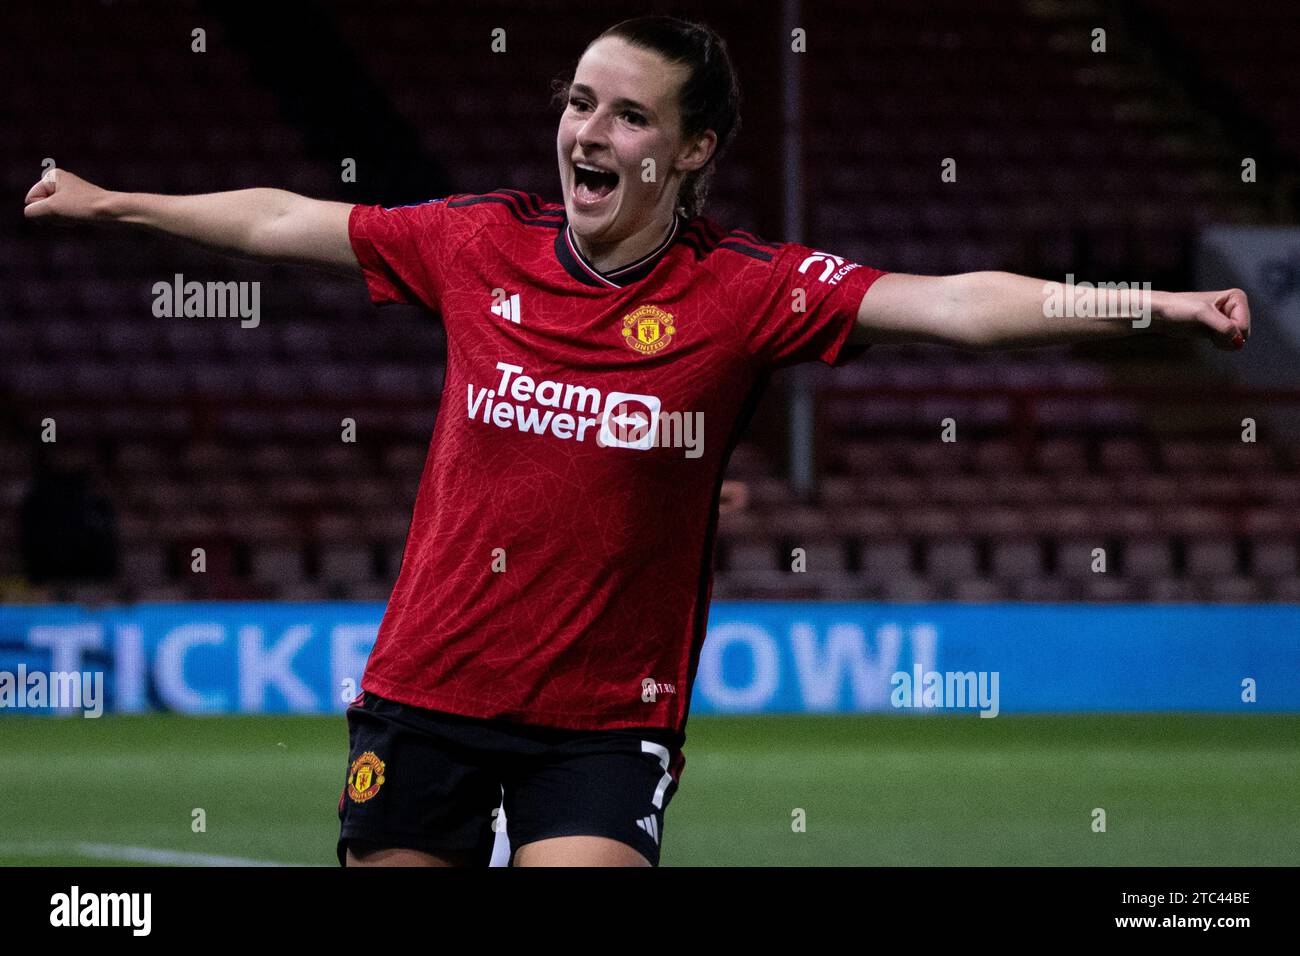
x=635, y=118
x=576, y=103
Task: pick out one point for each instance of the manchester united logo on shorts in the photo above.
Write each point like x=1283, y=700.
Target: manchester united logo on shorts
x=365, y=777
x=648, y=330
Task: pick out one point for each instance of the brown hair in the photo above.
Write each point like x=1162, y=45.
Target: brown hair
x=709, y=99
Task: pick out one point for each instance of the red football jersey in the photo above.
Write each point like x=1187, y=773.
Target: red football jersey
x=559, y=563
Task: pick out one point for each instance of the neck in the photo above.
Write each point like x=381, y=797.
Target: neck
x=613, y=255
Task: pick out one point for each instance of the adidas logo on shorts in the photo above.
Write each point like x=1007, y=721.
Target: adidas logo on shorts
x=651, y=826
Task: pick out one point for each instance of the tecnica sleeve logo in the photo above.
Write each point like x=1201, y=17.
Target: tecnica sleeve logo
x=834, y=268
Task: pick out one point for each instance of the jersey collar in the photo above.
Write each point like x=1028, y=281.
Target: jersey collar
x=580, y=267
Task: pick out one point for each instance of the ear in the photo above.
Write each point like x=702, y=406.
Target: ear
x=697, y=152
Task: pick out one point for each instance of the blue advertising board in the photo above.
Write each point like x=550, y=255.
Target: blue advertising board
x=758, y=657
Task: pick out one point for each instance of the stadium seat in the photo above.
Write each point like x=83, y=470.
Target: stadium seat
x=133, y=459
x=1196, y=520
x=164, y=594
x=1285, y=590
x=1147, y=558
x=277, y=564
x=741, y=524
x=156, y=380
x=339, y=528
x=378, y=591
x=1212, y=557
x=841, y=587
x=1126, y=456
x=1172, y=590
x=1104, y=588
x=405, y=460
x=1074, y=558
x=864, y=522
x=1087, y=489
x=908, y=589
x=757, y=555
x=346, y=564
x=951, y=560
x=1017, y=560
x=1066, y=519
x=800, y=523
x=305, y=591
x=1062, y=455
x=1274, y=558
x=824, y=555
x=1231, y=590
x=88, y=593
x=144, y=564
x=885, y=558
x=969, y=491
x=931, y=522
x=1022, y=490
x=981, y=591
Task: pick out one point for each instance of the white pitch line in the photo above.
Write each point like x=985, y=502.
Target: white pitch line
x=144, y=854
x=134, y=854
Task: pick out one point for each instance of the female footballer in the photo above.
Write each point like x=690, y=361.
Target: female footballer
x=604, y=355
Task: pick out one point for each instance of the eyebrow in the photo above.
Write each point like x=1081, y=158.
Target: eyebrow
x=621, y=102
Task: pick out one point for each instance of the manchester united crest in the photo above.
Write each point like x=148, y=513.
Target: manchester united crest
x=365, y=777
x=648, y=330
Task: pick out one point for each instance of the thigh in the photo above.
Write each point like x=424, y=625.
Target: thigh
x=361, y=854
x=578, y=851
x=614, y=788
x=414, y=785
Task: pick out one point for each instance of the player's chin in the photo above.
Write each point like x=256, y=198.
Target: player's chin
x=591, y=220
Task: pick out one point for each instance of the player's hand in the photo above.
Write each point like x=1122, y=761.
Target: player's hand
x=59, y=196
x=735, y=497
x=1222, y=317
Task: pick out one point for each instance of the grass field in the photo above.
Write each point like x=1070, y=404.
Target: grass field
x=877, y=790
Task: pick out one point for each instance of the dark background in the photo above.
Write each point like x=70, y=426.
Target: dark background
x=175, y=434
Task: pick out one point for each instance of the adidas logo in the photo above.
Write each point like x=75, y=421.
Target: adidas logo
x=651, y=826
x=508, y=309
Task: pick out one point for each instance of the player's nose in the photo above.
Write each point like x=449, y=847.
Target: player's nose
x=594, y=131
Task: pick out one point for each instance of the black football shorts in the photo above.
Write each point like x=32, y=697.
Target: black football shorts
x=426, y=780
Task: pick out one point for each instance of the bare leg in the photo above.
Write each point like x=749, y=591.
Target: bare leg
x=364, y=854
x=578, y=851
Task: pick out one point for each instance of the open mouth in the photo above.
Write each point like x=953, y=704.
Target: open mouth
x=592, y=185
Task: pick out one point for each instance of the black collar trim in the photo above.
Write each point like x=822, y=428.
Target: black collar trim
x=580, y=267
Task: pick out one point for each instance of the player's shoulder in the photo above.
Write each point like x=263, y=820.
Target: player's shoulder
x=734, y=250
x=509, y=206
x=746, y=256
x=457, y=217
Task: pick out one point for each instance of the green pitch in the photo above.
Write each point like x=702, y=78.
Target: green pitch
x=880, y=790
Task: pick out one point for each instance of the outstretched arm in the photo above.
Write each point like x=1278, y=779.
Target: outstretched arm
x=268, y=224
x=998, y=310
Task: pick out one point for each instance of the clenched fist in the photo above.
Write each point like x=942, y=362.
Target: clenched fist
x=60, y=196
x=1223, y=317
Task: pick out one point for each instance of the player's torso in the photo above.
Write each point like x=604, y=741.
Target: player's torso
x=647, y=376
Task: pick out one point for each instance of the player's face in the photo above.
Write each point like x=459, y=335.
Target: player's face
x=622, y=112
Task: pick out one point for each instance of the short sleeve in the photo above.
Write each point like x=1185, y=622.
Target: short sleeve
x=807, y=307
x=401, y=251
